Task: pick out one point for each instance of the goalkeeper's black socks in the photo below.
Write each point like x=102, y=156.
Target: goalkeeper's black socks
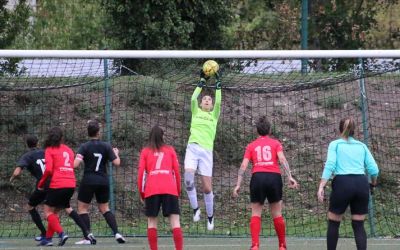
x=359, y=234
x=38, y=221
x=110, y=219
x=332, y=235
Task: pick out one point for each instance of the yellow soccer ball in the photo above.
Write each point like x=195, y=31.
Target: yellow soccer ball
x=210, y=67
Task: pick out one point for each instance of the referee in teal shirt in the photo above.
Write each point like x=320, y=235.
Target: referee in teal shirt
x=348, y=161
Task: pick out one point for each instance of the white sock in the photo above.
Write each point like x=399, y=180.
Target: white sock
x=209, y=202
x=192, y=194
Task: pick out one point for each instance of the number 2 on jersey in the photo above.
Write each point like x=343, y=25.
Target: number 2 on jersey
x=99, y=156
x=66, y=159
x=264, y=153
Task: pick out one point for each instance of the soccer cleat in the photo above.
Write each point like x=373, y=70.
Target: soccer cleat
x=39, y=238
x=119, y=238
x=63, y=238
x=196, y=214
x=210, y=223
x=91, y=239
x=45, y=242
x=83, y=242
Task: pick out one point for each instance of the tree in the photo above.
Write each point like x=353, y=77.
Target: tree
x=74, y=24
x=157, y=24
x=12, y=22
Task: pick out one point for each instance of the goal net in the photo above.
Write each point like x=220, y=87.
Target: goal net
x=129, y=96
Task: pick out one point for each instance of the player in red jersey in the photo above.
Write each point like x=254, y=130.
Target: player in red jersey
x=60, y=168
x=159, y=184
x=266, y=181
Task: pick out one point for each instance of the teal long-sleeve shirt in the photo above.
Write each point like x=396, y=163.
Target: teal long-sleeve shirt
x=349, y=157
x=204, y=124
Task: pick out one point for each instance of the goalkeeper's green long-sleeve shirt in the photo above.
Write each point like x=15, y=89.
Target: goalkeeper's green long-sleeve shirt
x=204, y=124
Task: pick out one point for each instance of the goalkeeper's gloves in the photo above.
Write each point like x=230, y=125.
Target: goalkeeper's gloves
x=217, y=81
x=203, y=79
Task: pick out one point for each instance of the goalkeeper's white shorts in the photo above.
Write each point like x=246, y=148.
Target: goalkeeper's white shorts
x=199, y=159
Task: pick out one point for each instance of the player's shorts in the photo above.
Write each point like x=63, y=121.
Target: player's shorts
x=264, y=185
x=350, y=190
x=37, y=197
x=59, y=197
x=86, y=193
x=200, y=159
x=168, y=202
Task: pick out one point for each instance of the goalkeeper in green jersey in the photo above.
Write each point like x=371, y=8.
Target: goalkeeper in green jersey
x=199, y=151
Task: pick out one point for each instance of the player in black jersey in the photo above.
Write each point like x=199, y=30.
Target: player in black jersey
x=96, y=154
x=33, y=161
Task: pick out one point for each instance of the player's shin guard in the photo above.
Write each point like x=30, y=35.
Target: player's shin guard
x=110, y=219
x=209, y=202
x=54, y=224
x=255, y=228
x=280, y=229
x=85, y=218
x=191, y=190
x=359, y=234
x=332, y=234
x=152, y=238
x=38, y=221
x=178, y=238
x=77, y=219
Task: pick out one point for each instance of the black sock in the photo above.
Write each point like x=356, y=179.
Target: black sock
x=110, y=219
x=74, y=215
x=195, y=210
x=359, y=234
x=85, y=218
x=38, y=221
x=210, y=218
x=332, y=234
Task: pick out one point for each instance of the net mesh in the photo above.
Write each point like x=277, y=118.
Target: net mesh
x=303, y=108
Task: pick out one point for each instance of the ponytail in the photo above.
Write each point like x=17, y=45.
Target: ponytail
x=347, y=127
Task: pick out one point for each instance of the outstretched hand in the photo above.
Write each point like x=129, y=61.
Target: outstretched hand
x=217, y=81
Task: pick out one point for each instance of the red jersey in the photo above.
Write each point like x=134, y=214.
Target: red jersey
x=263, y=153
x=59, y=167
x=158, y=172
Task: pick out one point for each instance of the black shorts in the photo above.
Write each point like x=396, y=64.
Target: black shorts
x=169, y=203
x=266, y=185
x=86, y=193
x=59, y=197
x=37, y=197
x=350, y=190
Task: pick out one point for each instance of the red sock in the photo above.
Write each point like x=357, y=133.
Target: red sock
x=54, y=223
x=255, y=228
x=279, y=224
x=49, y=232
x=152, y=238
x=178, y=238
